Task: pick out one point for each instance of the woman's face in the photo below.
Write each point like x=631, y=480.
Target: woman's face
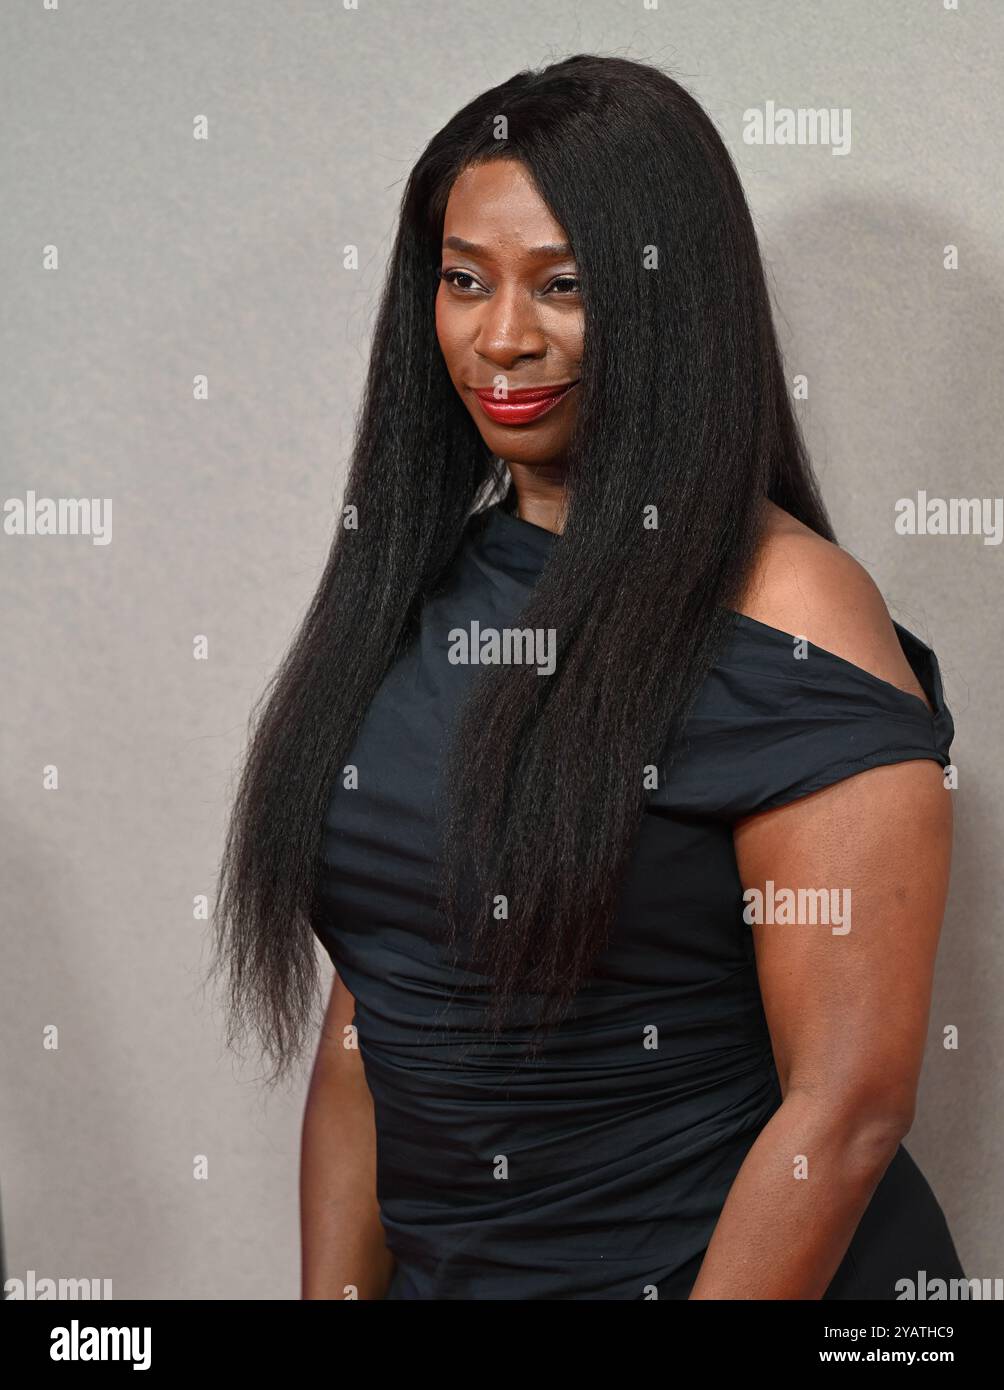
x=509, y=314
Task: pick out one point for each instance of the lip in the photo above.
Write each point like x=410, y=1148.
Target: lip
x=522, y=406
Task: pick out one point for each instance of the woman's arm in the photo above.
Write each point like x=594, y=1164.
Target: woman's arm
x=848, y=1020
x=847, y=1011
x=342, y=1245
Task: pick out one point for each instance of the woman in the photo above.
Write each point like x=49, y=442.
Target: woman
x=586, y=674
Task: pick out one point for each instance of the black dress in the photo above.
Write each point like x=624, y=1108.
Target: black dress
x=597, y=1171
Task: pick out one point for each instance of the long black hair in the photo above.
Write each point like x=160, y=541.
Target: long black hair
x=683, y=415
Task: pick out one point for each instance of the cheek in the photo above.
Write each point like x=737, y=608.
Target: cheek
x=565, y=333
x=444, y=320
x=453, y=345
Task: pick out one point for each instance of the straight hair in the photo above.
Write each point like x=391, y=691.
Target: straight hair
x=683, y=417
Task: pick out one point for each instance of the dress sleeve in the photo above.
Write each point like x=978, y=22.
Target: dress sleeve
x=768, y=728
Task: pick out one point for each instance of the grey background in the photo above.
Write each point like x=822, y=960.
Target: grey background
x=178, y=257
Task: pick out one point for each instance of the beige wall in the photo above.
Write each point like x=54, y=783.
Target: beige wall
x=178, y=257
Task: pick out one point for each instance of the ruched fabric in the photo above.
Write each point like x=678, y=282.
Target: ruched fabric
x=597, y=1170
x=778, y=718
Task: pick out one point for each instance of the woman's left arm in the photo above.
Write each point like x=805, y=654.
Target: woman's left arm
x=848, y=1015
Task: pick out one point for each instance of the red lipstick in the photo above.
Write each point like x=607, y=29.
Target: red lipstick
x=520, y=407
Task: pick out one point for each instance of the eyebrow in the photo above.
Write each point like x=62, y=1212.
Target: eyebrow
x=551, y=250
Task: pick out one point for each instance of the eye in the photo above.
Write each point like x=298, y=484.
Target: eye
x=446, y=275
x=572, y=283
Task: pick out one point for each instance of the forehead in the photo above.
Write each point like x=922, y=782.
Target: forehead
x=496, y=205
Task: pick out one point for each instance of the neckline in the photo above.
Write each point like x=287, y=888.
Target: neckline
x=521, y=548
x=529, y=532
x=534, y=544
x=919, y=655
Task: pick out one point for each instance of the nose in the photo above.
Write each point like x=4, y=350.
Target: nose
x=509, y=327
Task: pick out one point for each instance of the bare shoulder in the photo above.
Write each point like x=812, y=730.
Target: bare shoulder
x=806, y=585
